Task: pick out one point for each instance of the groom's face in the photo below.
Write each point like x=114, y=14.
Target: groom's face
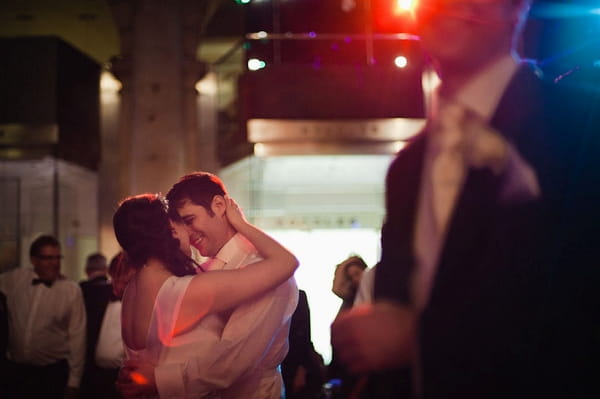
x=208, y=232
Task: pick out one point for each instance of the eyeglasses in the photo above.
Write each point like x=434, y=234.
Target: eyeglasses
x=49, y=257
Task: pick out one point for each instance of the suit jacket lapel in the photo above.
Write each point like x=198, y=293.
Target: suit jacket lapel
x=397, y=261
x=470, y=227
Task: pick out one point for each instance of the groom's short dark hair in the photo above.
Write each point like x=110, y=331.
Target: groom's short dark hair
x=197, y=187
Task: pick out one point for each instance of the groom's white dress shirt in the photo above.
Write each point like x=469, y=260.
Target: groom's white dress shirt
x=241, y=354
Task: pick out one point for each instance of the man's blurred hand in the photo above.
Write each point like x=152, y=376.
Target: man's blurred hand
x=374, y=337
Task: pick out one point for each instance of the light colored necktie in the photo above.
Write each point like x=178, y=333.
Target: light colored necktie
x=440, y=182
x=466, y=141
x=448, y=166
x=459, y=140
x=442, y=178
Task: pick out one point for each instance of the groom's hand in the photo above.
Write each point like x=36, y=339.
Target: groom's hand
x=136, y=380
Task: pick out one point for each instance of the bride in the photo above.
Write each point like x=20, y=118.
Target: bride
x=166, y=298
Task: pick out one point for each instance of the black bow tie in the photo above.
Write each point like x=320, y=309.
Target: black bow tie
x=37, y=281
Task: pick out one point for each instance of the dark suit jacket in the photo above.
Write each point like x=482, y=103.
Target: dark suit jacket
x=3, y=326
x=96, y=295
x=302, y=353
x=96, y=381
x=513, y=310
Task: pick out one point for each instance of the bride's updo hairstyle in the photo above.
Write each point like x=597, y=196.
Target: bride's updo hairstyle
x=143, y=230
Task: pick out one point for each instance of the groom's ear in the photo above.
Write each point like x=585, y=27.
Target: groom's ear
x=218, y=205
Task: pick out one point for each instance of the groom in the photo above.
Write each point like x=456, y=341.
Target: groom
x=254, y=336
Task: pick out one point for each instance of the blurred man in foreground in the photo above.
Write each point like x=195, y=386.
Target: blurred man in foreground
x=486, y=285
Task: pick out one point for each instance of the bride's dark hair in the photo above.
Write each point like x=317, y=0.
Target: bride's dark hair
x=143, y=230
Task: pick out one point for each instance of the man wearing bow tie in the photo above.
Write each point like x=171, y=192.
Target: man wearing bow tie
x=487, y=285
x=47, y=324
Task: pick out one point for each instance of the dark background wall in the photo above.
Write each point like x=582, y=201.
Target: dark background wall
x=44, y=81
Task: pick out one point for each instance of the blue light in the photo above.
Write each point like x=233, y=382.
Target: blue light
x=551, y=11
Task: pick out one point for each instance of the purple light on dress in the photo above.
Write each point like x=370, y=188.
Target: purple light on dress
x=312, y=34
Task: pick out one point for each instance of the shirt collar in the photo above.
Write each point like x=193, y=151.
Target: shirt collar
x=61, y=277
x=232, y=248
x=33, y=273
x=98, y=279
x=197, y=257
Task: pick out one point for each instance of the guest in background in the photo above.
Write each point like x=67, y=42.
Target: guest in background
x=346, y=281
x=364, y=294
x=3, y=327
x=96, y=269
x=302, y=369
x=3, y=340
x=46, y=314
x=488, y=280
x=105, y=350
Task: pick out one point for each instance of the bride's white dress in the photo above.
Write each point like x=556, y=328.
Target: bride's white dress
x=162, y=345
x=214, y=356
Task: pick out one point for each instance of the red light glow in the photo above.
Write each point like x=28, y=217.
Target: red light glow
x=138, y=378
x=393, y=16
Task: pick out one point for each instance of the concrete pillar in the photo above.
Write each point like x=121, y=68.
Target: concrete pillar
x=157, y=134
x=157, y=148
